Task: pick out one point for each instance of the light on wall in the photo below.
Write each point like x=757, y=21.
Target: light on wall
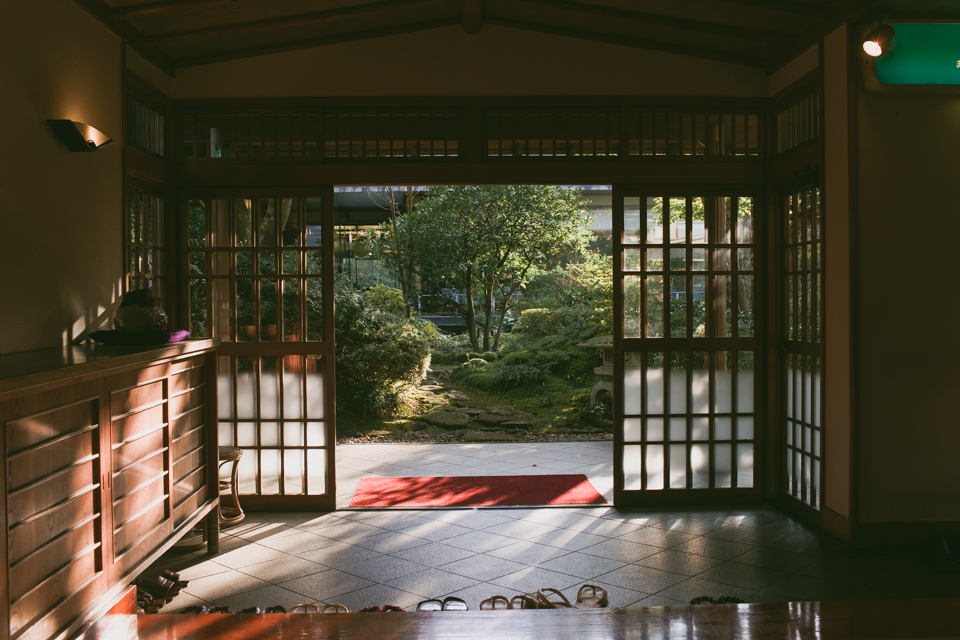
x=78, y=136
x=879, y=39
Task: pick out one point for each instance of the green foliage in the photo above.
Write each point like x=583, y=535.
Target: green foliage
x=386, y=298
x=378, y=355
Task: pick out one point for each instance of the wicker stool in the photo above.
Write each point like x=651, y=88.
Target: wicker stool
x=230, y=515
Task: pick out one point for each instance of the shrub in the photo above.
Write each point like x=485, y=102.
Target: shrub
x=377, y=355
x=386, y=298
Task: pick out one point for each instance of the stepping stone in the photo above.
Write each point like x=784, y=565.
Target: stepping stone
x=456, y=395
x=471, y=411
x=447, y=418
x=431, y=387
x=490, y=418
x=516, y=424
x=502, y=410
x=435, y=400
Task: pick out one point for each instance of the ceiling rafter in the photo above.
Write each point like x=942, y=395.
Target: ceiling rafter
x=662, y=20
x=636, y=43
x=339, y=38
x=167, y=6
x=103, y=13
x=788, y=6
x=286, y=22
x=472, y=16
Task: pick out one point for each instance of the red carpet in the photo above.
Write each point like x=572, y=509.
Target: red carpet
x=476, y=491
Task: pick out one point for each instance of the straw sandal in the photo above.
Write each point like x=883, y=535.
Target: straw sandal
x=590, y=596
x=453, y=603
x=430, y=605
x=524, y=601
x=547, y=603
x=175, y=577
x=494, y=603
x=334, y=608
x=304, y=608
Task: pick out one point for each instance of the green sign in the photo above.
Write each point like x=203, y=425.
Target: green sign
x=922, y=54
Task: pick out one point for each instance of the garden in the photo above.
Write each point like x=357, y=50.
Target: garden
x=528, y=283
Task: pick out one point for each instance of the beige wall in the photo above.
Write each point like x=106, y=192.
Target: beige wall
x=60, y=244
x=838, y=332
x=144, y=70
x=909, y=308
x=447, y=61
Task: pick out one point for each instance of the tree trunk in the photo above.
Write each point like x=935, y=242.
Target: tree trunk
x=503, y=314
x=488, y=314
x=471, y=317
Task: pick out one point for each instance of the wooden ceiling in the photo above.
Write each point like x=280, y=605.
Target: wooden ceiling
x=761, y=33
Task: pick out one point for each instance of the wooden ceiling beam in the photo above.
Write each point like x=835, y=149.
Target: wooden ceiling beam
x=318, y=42
x=636, y=43
x=103, y=13
x=712, y=28
x=167, y=6
x=472, y=17
x=319, y=17
x=787, y=6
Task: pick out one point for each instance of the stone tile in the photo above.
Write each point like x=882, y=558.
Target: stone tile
x=433, y=554
x=674, y=561
x=479, y=541
x=520, y=529
x=800, y=588
x=658, y=601
x=339, y=555
x=320, y=587
x=643, y=579
x=295, y=542
x=182, y=601
x=610, y=528
x=221, y=585
x=432, y=583
x=714, y=548
x=351, y=532
x=689, y=524
x=744, y=575
x=695, y=587
x=529, y=579
x=776, y=559
x=622, y=550
x=470, y=518
x=657, y=537
x=188, y=571
x=569, y=539
x=857, y=571
x=264, y=597
x=390, y=542
x=640, y=517
x=396, y=520
x=561, y=518
x=383, y=569
x=435, y=531
x=802, y=541
x=530, y=553
x=377, y=595
x=741, y=535
x=482, y=567
x=582, y=565
x=284, y=569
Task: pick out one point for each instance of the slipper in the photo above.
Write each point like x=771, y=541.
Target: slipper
x=430, y=605
x=160, y=588
x=334, y=608
x=590, y=596
x=453, y=603
x=392, y=608
x=371, y=610
x=196, y=608
x=175, y=577
x=547, y=603
x=304, y=608
x=221, y=609
x=494, y=603
x=275, y=609
x=251, y=610
x=524, y=601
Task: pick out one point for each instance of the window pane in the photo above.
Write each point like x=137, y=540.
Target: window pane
x=678, y=220
x=632, y=467
x=293, y=471
x=653, y=466
x=290, y=222
x=197, y=236
x=655, y=386
x=655, y=222
x=678, y=466
x=655, y=310
x=242, y=218
x=631, y=220
x=631, y=306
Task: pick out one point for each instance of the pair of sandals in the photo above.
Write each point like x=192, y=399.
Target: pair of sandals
x=450, y=603
x=589, y=596
x=324, y=608
x=387, y=608
x=166, y=586
x=203, y=610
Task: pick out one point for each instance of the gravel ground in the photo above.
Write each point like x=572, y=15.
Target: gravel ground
x=448, y=438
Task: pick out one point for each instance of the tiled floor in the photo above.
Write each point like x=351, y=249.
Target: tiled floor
x=643, y=557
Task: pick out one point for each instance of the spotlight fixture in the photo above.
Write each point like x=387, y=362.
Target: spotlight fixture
x=78, y=136
x=879, y=39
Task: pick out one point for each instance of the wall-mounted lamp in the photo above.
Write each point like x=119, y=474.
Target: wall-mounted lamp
x=78, y=136
x=879, y=39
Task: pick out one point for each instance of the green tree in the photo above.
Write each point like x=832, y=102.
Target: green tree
x=485, y=241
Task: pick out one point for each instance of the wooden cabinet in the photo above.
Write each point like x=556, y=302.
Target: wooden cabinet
x=110, y=457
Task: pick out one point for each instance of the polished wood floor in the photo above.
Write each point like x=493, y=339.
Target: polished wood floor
x=931, y=618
